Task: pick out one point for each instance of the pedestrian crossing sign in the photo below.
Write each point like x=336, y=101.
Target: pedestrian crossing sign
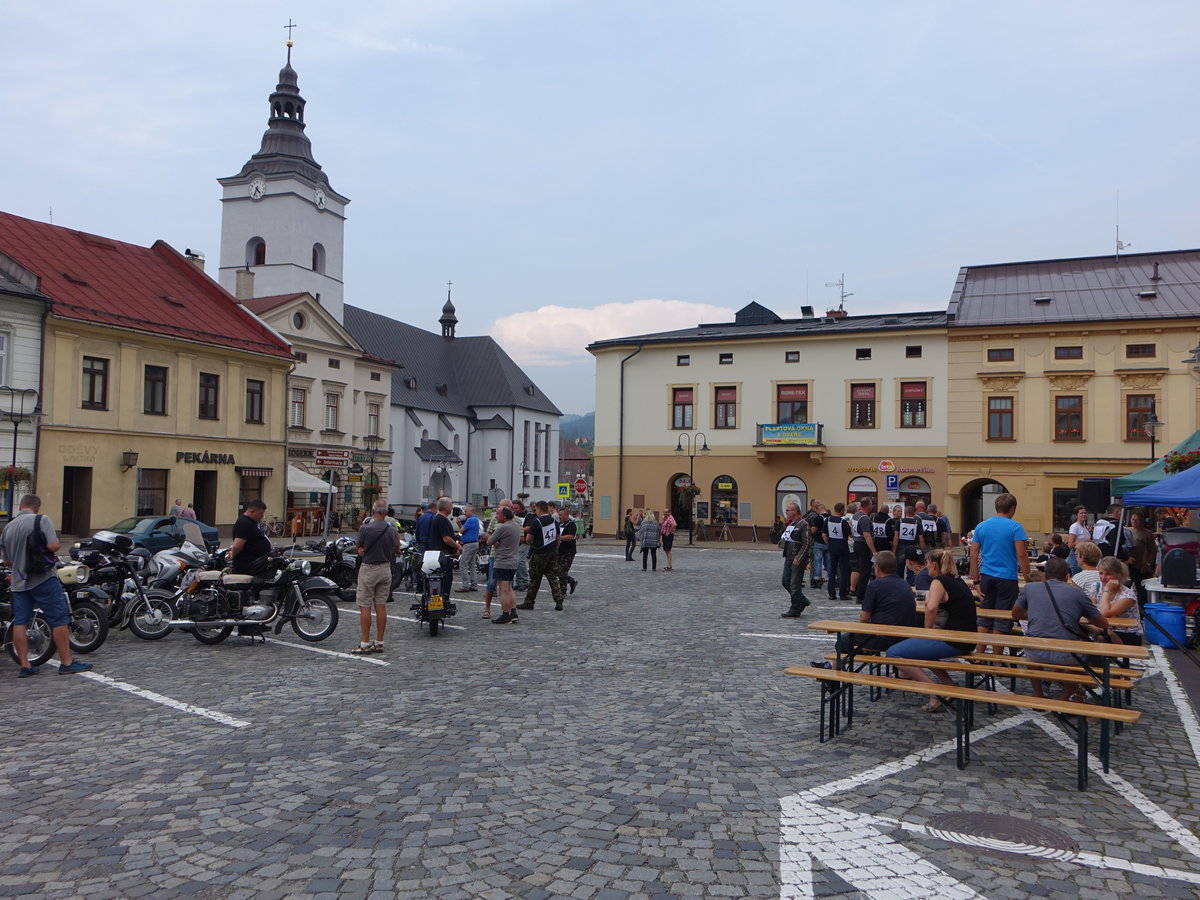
x=564, y=491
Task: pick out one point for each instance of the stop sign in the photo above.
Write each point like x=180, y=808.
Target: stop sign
x=581, y=485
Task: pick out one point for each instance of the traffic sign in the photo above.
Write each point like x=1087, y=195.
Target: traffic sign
x=893, y=482
x=581, y=485
x=564, y=490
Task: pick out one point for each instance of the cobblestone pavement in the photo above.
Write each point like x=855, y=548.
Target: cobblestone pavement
x=641, y=743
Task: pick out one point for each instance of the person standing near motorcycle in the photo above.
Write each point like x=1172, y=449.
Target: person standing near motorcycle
x=468, y=574
x=378, y=544
x=441, y=538
x=249, y=543
x=504, y=542
x=424, y=523
x=40, y=590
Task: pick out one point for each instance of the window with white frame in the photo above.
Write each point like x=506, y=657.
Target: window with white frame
x=296, y=412
x=331, y=412
x=373, y=419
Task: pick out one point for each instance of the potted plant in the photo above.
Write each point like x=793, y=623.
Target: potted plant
x=13, y=475
x=1178, y=461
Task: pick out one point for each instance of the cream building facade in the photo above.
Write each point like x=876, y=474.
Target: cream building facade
x=812, y=408
x=1055, y=368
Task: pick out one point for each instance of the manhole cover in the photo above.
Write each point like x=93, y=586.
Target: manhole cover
x=1003, y=834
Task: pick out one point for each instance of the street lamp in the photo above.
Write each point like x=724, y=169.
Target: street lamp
x=1193, y=362
x=18, y=400
x=1152, y=426
x=688, y=446
x=373, y=441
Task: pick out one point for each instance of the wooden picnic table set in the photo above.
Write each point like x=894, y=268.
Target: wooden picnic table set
x=1108, y=684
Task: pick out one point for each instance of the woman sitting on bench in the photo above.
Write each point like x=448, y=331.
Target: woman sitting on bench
x=1116, y=599
x=950, y=596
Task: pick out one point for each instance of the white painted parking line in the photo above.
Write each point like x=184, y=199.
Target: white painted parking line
x=1183, y=706
x=444, y=624
x=787, y=637
x=166, y=701
x=367, y=659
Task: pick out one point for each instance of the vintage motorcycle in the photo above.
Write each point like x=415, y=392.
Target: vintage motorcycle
x=87, y=629
x=282, y=591
x=119, y=572
x=434, y=607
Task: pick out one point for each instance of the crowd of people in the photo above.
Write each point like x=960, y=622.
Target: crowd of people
x=1085, y=582
x=645, y=530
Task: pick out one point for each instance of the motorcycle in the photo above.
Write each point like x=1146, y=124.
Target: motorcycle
x=118, y=574
x=283, y=591
x=340, y=564
x=434, y=607
x=86, y=630
x=174, y=568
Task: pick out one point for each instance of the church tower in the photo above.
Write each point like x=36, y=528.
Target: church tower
x=282, y=224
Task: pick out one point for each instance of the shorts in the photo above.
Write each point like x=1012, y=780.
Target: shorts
x=998, y=593
x=504, y=575
x=491, y=574
x=374, y=584
x=668, y=541
x=49, y=597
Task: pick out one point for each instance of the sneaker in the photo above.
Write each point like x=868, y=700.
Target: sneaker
x=512, y=618
x=502, y=619
x=27, y=671
x=791, y=615
x=558, y=606
x=74, y=667
x=820, y=664
x=525, y=605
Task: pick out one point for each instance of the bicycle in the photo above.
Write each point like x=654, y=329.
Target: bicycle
x=274, y=528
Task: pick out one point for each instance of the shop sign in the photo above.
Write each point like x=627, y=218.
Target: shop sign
x=74, y=454
x=791, y=483
x=886, y=465
x=789, y=434
x=205, y=458
x=724, y=485
x=300, y=452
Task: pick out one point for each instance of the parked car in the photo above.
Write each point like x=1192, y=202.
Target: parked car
x=154, y=533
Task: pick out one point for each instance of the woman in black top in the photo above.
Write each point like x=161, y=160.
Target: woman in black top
x=948, y=593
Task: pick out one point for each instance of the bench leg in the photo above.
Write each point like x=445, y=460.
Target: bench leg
x=964, y=713
x=1081, y=743
x=1106, y=699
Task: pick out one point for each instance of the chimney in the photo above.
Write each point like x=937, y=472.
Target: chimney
x=195, y=257
x=835, y=313
x=1156, y=276
x=244, y=287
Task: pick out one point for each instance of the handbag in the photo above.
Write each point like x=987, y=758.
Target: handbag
x=1097, y=637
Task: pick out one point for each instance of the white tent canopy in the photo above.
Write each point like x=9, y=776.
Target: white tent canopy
x=300, y=482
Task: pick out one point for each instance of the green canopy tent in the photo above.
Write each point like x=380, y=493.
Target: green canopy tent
x=1152, y=473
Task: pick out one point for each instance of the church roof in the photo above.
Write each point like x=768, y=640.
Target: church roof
x=435, y=451
x=471, y=371
x=149, y=289
x=495, y=423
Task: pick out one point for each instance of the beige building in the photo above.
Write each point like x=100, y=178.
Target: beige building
x=829, y=408
x=155, y=386
x=1057, y=370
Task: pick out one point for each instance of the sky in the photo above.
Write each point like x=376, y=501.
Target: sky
x=587, y=170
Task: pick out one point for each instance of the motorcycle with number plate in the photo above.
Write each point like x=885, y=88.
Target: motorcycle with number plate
x=87, y=628
x=435, y=606
x=119, y=573
x=281, y=591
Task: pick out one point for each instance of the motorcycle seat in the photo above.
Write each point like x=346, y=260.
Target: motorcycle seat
x=210, y=576
x=237, y=579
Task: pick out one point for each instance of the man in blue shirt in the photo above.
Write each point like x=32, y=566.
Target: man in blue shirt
x=422, y=533
x=470, y=548
x=998, y=557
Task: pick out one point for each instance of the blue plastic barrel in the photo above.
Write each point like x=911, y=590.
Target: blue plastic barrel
x=1170, y=619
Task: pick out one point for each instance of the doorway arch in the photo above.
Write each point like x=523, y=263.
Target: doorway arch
x=790, y=488
x=913, y=489
x=724, y=500
x=679, y=503
x=862, y=488
x=978, y=501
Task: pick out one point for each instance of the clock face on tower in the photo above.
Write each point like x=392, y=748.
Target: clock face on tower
x=319, y=199
x=258, y=187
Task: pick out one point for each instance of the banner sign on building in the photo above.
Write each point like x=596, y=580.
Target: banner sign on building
x=789, y=434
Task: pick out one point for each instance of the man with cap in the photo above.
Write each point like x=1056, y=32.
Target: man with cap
x=916, y=571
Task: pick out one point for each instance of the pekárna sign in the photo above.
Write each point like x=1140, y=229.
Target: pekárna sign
x=205, y=458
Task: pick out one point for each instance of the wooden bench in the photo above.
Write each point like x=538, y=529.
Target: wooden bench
x=1006, y=614
x=962, y=700
x=1085, y=653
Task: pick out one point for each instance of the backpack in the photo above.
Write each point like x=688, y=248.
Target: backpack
x=38, y=558
x=1111, y=540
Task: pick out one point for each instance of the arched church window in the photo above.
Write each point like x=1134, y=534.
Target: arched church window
x=318, y=258
x=256, y=252
x=277, y=110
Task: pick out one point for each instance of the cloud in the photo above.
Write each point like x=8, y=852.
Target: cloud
x=377, y=43
x=559, y=335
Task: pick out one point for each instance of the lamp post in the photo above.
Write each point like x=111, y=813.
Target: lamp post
x=688, y=446
x=1152, y=426
x=18, y=400
x=1193, y=362
x=373, y=441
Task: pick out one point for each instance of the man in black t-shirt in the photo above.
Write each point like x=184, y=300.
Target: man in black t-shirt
x=542, y=533
x=815, y=517
x=568, y=533
x=889, y=601
x=909, y=534
x=441, y=538
x=249, y=543
x=864, y=549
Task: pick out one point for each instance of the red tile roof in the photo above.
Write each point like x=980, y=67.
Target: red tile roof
x=149, y=289
x=260, y=305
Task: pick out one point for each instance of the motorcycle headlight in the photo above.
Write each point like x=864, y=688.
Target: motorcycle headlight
x=303, y=565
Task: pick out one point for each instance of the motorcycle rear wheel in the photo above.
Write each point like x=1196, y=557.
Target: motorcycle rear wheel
x=41, y=642
x=211, y=634
x=316, y=617
x=88, y=627
x=148, y=618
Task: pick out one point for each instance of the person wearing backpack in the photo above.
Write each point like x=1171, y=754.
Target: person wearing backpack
x=28, y=546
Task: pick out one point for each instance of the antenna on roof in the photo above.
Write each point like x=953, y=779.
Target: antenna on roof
x=840, y=284
x=1120, y=244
